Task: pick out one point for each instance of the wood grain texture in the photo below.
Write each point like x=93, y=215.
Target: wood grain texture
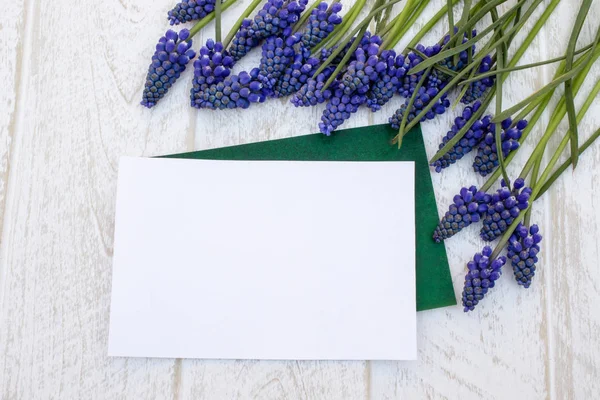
x=12, y=32
x=79, y=113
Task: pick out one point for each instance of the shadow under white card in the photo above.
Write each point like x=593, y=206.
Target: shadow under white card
x=264, y=260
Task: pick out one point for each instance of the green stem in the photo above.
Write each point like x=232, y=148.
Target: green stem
x=363, y=25
x=463, y=19
x=338, y=33
x=206, y=20
x=413, y=18
x=306, y=14
x=239, y=21
x=557, y=115
x=581, y=15
x=427, y=27
x=464, y=46
x=524, y=66
x=404, y=16
x=501, y=58
x=557, y=81
x=544, y=178
x=566, y=164
x=449, y=7
x=218, y=21
x=488, y=98
x=411, y=102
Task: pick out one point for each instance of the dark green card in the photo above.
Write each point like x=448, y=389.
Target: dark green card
x=434, y=285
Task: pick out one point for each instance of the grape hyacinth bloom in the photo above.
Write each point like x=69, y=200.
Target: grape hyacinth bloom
x=470, y=140
x=523, y=248
x=339, y=108
x=410, y=81
x=477, y=89
x=313, y=92
x=212, y=66
x=352, y=88
x=320, y=24
x=277, y=54
x=271, y=20
x=190, y=10
x=505, y=206
x=296, y=74
x=481, y=276
x=386, y=82
x=235, y=91
x=423, y=99
x=173, y=53
x=467, y=207
x=487, y=156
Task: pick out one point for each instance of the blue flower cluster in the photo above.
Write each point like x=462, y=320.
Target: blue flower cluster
x=212, y=66
x=215, y=88
x=386, y=83
x=523, y=248
x=468, y=206
x=350, y=91
x=277, y=54
x=487, y=156
x=477, y=89
x=271, y=20
x=433, y=84
x=313, y=92
x=190, y=10
x=481, y=276
x=505, y=206
x=173, y=53
x=296, y=74
x=235, y=91
x=470, y=140
x=321, y=23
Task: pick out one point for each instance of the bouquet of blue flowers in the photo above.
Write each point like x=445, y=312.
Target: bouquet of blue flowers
x=316, y=55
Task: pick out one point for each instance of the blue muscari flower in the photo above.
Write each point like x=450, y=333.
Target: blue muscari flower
x=173, y=53
x=469, y=141
x=467, y=207
x=339, y=108
x=271, y=20
x=523, y=248
x=313, y=92
x=190, y=10
x=321, y=23
x=277, y=54
x=296, y=74
x=477, y=89
x=235, y=91
x=487, y=157
x=351, y=90
x=481, y=276
x=386, y=83
x=462, y=56
x=423, y=98
x=212, y=66
x=504, y=207
x=410, y=80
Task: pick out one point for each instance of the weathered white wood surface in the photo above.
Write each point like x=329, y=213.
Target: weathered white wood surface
x=72, y=75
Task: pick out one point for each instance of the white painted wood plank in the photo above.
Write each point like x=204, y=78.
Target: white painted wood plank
x=82, y=113
x=12, y=29
x=573, y=250
x=86, y=72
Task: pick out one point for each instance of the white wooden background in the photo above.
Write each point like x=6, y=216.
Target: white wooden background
x=72, y=74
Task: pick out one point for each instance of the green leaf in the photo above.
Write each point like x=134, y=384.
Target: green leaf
x=581, y=15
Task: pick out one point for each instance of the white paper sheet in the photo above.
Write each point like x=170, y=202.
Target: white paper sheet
x=264, y=260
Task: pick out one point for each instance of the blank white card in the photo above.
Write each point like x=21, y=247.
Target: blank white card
x=264, y=260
